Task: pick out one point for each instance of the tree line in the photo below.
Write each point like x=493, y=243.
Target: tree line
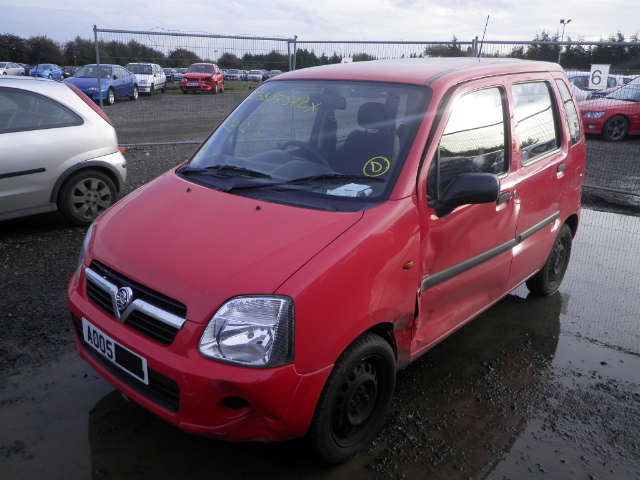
x=78, y=52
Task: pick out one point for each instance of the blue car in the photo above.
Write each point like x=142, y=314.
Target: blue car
x=114, y=82
x=47, y=70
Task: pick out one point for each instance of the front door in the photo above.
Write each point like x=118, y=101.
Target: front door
x=466, y=255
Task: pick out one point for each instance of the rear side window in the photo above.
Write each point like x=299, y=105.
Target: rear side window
x=570, y=111
x=21, y=110
x=536, y=121
x=474, y=139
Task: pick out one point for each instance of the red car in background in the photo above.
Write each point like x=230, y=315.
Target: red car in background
x=202, y=77
x=614, y=116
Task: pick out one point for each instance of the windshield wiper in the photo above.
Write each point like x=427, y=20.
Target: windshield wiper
x=220, y=170
x=309, y=179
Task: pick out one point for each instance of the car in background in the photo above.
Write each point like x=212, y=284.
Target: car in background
x=170, y=74
x=113, y=82
x=47, y=70
x=274, y=73
x=202, y=77
x=10, y=68
x=150, y=77
x=615, y=115
x=69, y=71
x=59, y=152
x=606, y=91
x=27, y=67
x=254, y=76
x=179, y=74
x=233, y=75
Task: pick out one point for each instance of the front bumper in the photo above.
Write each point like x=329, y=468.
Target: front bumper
x=199, y=395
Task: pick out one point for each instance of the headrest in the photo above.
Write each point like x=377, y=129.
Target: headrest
x=374, y=116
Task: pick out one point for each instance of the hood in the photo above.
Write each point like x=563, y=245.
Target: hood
x=202, y=247
x=198, y=75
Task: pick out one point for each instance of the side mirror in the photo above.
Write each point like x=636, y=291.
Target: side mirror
x=468, y=189
x=115, y=77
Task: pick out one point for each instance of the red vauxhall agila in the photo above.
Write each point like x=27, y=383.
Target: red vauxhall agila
x=339, y=223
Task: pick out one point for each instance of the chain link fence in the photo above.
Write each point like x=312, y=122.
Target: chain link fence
x=613, y=167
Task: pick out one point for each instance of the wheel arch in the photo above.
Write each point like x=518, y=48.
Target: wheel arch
x=102, y=167
x=572, y=222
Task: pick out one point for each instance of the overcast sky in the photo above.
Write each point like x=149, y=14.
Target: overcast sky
x=410, y=20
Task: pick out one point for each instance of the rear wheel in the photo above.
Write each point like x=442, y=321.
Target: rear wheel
x=547, y=281
x=136, y=93
x=85, y=195
x=616, y=128
x=355, y=400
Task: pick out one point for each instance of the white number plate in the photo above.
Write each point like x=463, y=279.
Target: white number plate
x=130, y=362
x=191, y=84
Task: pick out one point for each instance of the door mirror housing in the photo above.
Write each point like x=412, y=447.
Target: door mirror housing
x=468, y=189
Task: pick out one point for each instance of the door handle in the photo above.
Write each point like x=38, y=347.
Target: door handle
x=504, y=197
x=562, y=167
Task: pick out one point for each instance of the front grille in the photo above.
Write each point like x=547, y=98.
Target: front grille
x=161, y=389
x=150, y=313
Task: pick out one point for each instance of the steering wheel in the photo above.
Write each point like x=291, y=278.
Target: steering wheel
x=313, y=154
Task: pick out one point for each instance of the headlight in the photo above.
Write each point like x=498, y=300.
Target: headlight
x=83, y=250
x=594, y=114
x=255, y=331
x=92, y=89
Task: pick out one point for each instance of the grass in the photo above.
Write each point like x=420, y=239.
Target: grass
x=229, y=86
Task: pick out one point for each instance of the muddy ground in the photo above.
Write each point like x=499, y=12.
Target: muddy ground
x=521, y=392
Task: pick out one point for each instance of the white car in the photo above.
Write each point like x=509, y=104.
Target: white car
x=59, y=152
x=10, y=68
x=150, y=77
x=254, y=76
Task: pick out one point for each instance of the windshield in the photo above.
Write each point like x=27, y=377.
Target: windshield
x=91, y=71
x=139, y=69
x=201, y=69
x=629, y=92
x=332, y=140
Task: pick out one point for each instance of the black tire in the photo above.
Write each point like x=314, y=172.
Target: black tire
x=135, y=95
x=85, y=195
x=215, y=89
x=615, y=129
x=547, y=281
x=111, y=97
x=164, y=88
x=152, y=90
x=355, y=400
x=185, y=92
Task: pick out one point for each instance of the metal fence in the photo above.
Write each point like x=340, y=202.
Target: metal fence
x=613, y=170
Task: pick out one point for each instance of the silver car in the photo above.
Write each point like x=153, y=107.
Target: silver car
x=59, y=152
x=10, y=68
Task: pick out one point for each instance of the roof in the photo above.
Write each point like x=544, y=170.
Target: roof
x=421, y=71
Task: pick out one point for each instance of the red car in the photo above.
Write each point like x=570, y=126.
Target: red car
x=614, y=116
x=202, y=77
x=337, y=225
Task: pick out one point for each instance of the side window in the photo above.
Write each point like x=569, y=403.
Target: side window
x=570, y=111
x=536, y=121
x=474, y=139
x=22, y=111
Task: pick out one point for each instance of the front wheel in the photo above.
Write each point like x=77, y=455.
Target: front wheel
x=215, y=89
x=355, y=400
x=111, y=96
x=547, y=281
x=85, y=195
x=615, y=129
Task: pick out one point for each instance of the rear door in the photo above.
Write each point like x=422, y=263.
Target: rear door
x=542, y=175
x=466, y=255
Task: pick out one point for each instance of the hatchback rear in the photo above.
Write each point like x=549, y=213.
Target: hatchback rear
x=59, y=152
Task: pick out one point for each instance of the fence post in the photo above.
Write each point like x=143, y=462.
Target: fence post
x=95, y=39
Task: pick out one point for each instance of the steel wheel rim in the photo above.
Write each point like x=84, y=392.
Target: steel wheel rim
x=558, y=261
x=356, y=399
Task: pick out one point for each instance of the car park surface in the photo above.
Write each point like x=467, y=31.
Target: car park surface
x=60, y=152
x=459, y=189
x=150, y=77
x=113, y=82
